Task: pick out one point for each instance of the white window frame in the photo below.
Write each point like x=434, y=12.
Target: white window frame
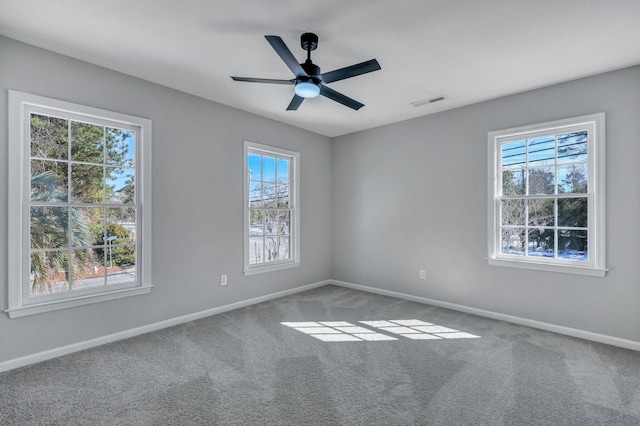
x=595, y=266
x=294, y=197
x=21, y=303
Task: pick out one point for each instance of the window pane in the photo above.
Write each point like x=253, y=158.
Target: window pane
x=86, y=142
x=573, y=212
x=542, y=151
x=120, y=147
x=49, y=136
x=120, y=185
x=118, y=251
x=513, y=153
x=257, y=223
x=277, y=222
x=513, y=182
x=283, y=170
x=256, y=240
x=87, y=183
x=47, y=271
x=572, y=245
x=253, y=162
x=284, y=247
x=256, y=250
x=255, y=194
x=513, y=212
x=121, y=264
x=541, y=212
x=512, y=241
x=541, y=180
x=283, y=195
x=271, y=225
x=573, y=179
x=85, y=269
x=269, y=195
x=121, y=224
x=86, y=225
x=572, y=147
x=49, y=181
x=541, y=242
x=268, y=169
x=49, y=227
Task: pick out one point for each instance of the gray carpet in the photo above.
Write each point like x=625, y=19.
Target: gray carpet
x=247, y=368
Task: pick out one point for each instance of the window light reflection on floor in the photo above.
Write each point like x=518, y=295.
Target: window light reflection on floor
x=419, y=330
x=343, y=331
x=337, y=331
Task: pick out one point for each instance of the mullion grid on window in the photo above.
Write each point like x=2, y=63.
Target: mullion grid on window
x=526, y=168
x=577, y=203
x=39, y=208
x=270, y=209
x=73, y=248
x=68, y=205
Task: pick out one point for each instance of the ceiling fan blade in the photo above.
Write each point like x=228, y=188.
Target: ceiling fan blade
x=295, y=103
x=352, y=71
x=285, y=54
x=339, y=97
x=263, y=80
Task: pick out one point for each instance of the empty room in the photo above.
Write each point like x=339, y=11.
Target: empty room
x=339, y=213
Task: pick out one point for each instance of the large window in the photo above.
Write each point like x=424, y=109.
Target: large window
x=79, y=205
x=546, y=188
x=271, y=212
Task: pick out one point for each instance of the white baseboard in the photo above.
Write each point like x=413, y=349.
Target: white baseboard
x=87, y=344
x=568, y=331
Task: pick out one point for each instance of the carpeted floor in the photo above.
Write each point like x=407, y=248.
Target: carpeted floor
x=332, y=356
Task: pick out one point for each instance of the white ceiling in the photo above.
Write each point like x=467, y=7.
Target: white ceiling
x=468, y=50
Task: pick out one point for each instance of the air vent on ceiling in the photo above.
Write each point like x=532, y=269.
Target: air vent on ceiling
x=428, y=101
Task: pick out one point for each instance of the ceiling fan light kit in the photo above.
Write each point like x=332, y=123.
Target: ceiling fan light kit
x=307, y=88
x=308, y=81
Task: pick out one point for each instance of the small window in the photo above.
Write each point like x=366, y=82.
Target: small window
x=546, y=187
x=79, y=205
x=271, y=213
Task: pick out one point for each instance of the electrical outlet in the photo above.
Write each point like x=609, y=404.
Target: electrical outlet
x=423, y=274
x=223, y=280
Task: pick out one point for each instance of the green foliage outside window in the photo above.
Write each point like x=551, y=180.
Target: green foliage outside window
x=77, y=169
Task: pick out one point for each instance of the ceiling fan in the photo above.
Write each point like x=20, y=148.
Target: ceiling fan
x=309, y=82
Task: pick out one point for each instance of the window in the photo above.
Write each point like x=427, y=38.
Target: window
x=271, y=237
x=79, y=206
x=546, y=189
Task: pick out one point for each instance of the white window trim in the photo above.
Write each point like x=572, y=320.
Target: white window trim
x=596, y=214
x=294, y=197
x=20, y=105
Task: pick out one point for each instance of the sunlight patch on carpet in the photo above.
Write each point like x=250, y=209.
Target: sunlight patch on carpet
x=338, y=331
x=343, y=331
x=419, y=330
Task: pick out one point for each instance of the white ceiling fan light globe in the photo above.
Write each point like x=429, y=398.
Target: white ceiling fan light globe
x=307, y=89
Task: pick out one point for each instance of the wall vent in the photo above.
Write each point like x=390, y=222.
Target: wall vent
x=428, y=101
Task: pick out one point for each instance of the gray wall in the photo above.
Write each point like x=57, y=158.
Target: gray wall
x=413, y=195
x=398, y=198
x=197, y=200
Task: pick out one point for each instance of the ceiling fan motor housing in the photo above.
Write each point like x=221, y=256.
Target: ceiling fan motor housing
x=310, y=68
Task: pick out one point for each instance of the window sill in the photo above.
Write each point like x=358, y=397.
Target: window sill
x=44, y=307
x=271, y=268
x=565, y=269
